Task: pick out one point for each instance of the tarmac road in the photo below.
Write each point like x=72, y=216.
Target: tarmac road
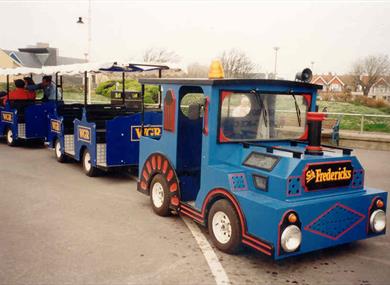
x=59, y=226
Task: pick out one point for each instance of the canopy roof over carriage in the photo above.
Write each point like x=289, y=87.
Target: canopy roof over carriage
x=73, y=69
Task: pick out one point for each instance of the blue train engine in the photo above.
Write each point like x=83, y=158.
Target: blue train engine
x=105, y=136
x=244, y=158
x=24, y=119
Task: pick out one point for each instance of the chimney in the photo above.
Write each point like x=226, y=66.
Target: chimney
x=314, y=121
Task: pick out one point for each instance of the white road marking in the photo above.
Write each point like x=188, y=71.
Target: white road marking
x=216, y=268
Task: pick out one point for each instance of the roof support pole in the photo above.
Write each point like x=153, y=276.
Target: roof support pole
x=7, y=87
x=159, y=89
x=56, y=86
x=85, y=88
x=123, y=88
x=142, y=108
x=89, y=80
x=62, y=90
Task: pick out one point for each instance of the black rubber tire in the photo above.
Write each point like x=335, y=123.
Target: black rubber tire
x=164, y=210
x=234, y=245
x=62, y=157
x=9, y=143
x=93, y=171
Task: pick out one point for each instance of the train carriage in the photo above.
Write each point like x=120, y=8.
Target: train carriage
x=24, y=120
x=105, y=136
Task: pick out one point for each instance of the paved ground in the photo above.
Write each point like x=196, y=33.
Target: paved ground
x=60, y=227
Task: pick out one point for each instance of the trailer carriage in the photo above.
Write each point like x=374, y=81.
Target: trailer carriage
x=244, y=158
x=24, y=120
x=105, y=136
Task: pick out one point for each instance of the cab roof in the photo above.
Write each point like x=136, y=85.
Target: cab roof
x=224, y=82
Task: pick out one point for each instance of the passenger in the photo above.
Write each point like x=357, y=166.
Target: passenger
x=48, y=87
x=30, y=82
x=20, y=93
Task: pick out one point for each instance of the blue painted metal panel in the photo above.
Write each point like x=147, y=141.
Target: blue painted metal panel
x=35, y=119
x=123, y=135
x=85, y=138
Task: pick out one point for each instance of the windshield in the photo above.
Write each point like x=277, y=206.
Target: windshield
x=254, y=115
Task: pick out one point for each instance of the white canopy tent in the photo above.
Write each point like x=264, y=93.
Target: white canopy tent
x=84, y=68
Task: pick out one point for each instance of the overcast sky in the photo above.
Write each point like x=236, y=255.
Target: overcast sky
x=331, y=33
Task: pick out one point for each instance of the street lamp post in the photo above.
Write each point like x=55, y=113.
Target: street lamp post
x=88, y=54
x=89, y=22
x=276, y=59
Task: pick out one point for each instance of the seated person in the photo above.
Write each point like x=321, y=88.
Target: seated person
x=20, y=93
x=30, y=82
x=48, y=87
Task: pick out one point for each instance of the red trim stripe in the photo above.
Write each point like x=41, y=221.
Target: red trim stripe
x=256, y=247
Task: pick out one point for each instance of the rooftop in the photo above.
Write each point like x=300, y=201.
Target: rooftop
x=219, y=82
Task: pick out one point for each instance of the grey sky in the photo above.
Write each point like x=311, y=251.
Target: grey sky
x=332, y=34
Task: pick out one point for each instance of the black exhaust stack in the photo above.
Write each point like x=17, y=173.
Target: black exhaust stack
x=314, y=121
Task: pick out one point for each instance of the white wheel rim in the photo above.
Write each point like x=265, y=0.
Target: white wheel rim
x=10, y=137
x=87, y=161
x=58, y=149
x=158, y=194
x=222, y=227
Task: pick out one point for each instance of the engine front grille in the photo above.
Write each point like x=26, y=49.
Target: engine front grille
x=335, y=222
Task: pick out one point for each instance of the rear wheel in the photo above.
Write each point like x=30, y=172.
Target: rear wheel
x=10, y=138
x=60, y=156
x=89, y=169
x=160, y=196
x=224, y=227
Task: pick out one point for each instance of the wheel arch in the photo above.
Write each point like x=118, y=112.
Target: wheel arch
x=158, y=163
x=219, y=194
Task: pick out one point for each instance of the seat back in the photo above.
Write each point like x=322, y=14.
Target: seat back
x=99, y=114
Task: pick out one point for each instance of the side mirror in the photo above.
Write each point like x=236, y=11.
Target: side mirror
x=194, y=111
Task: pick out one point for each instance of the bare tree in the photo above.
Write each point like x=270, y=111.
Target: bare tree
x=236, y=63
x=160, y=55
x=196, y=70
x=368, y=70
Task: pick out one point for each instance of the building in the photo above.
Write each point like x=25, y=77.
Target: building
x=338, y=84
x=35, y=56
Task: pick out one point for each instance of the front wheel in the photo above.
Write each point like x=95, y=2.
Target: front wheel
x=160, y=196
x=89, y=169
x=60, y=156
x=10, y=138
x=224, y=227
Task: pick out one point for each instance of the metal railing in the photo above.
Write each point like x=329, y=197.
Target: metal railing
x=363, y=118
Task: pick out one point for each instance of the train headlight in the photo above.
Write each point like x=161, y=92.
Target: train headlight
x=378, y=221
x=291, y=238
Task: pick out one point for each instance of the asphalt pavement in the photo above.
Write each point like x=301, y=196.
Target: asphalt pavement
x=59, y=226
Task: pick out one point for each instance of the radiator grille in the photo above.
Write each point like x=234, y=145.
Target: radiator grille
x=335, y=222
x=101, y=154
x=22, y=131
x=238, y=182
x=69, y=144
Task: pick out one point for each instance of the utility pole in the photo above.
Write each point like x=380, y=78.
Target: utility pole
x=276, y=59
